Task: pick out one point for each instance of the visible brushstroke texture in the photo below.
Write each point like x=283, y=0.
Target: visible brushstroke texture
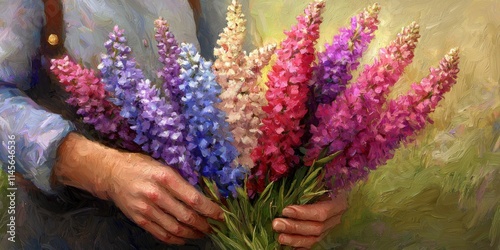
x=229, y=69
x=88, y=95
x=20, y=24
x=337, y=63
x=121, y=74
x=400, y=120
x=209, y=138
x=89, y=22
x=441, y=192
x=213, y=21
x=37, y=134
x=237, y=73
x=286, y=96
x=161, y=131
x=71, y=220
x=251, y=98
x=229, y=52
x=168, y=50
x=159, y=124
x=357, y=108
x=408, y=114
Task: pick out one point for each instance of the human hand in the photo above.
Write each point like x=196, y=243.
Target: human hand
x=305, y=225
x=159, y=200
x=151, y=194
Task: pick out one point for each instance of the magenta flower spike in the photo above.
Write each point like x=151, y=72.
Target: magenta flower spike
x=338, y=62
x=361, y=104
x=87, y=93
x=401, y=119
x=287, y=95
x=409, y=113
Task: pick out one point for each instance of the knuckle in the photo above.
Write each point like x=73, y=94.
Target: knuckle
x=176, y=229
x=194, y=200
x=293, y=227
x=153, y=194
x=164, y=177
x=188, y=218
x=136, y=188
x=145, y=209
x=142, y=222
x=167, y=237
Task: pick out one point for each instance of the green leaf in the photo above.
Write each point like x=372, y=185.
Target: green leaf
x=226, y=242
x=303, y=150
x=300, y=173
x=290, y=190
x=218, y=242
x=313, y=176
x=248, y=223
x=305, y=199
x=211, y=188
x=327, y=159
x=280, y=198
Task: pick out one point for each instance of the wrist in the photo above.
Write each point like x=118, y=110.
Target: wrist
x=85, y=164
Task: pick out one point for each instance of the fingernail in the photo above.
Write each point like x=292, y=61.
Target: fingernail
x=221, y=216
x=289, y=212
x=284, y=240
x=278, y=226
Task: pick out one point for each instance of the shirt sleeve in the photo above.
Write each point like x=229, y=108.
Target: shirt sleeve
x=37, y=135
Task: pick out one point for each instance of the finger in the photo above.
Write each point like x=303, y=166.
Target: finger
x=307, y=228
x=167, y=222
x=158, y=231
x=298, y=240
x=320, y=211
x=181, y=212
x=185, y=192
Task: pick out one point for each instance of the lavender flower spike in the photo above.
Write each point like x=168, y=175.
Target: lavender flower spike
x=159, y=127
x=168, y=50
x=120, y=74
x=160, y=131
x=341, y=58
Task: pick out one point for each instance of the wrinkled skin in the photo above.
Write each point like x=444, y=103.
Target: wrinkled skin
x=159, y=200
x=153, y=195
x=305, y=225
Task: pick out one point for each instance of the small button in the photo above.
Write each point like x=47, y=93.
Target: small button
x=53, y=39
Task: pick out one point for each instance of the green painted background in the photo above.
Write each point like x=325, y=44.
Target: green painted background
x=442, y=191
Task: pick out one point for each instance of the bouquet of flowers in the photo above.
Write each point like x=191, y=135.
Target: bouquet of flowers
x=310, y=131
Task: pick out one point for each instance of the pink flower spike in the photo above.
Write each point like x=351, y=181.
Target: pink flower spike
x=356, y=109
x=399, y=121
x=288, y=88
x=88, y=95
x=408, y=114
